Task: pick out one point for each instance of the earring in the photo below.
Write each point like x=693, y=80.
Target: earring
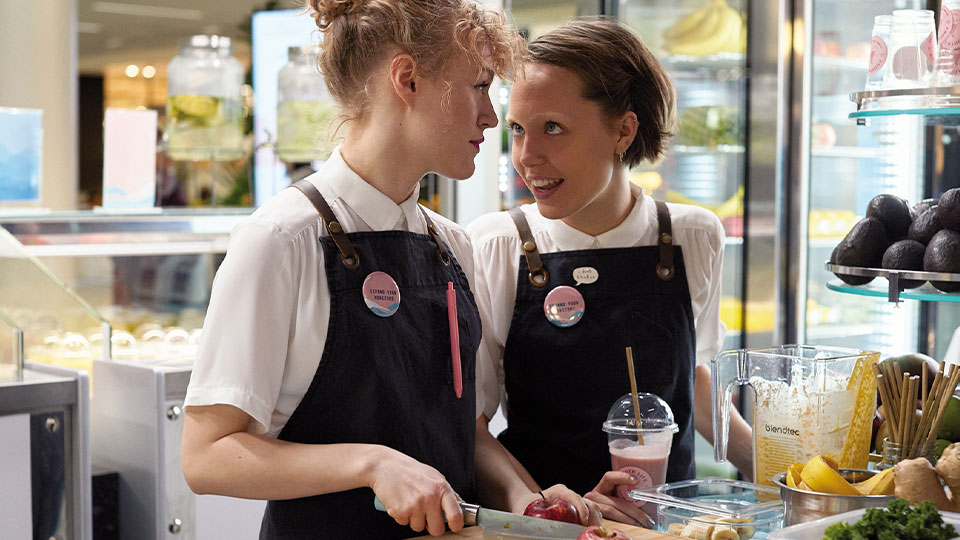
x=621, y=156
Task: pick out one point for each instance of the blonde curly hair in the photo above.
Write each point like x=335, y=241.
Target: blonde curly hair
x=357, y=33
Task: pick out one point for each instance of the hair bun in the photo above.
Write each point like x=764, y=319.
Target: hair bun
x=325, y=12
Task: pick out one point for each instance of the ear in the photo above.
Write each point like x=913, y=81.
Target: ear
x=626, y=127
x=403, y=78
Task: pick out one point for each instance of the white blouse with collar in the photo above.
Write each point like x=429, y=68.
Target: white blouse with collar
x=266, y=324
x=497, y=253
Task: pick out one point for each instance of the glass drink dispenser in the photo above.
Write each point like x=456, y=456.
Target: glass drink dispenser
x=204, y=103
x=306, y=113
x=808, y=401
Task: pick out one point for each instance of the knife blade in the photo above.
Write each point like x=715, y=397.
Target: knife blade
x=505, y=525
x=497, y=524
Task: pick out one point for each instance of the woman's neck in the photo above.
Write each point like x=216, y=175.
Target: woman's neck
x=607, y=211
x=381, y=158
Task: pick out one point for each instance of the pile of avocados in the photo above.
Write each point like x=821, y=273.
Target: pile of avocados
x=895, y=236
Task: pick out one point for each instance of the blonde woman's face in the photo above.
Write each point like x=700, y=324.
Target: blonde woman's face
x=456, y=117
x=563, y=148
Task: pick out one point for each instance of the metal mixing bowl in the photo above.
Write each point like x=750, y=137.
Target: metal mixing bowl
x=801, y=506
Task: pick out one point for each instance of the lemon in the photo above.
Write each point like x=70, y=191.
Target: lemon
x=197, y=106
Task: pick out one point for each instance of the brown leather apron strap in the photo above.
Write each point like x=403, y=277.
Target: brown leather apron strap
x=538, y=275
x=441, y=249
x=665, y=269
x=348, y=255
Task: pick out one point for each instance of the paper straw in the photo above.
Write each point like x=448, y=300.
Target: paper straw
x=633, y=392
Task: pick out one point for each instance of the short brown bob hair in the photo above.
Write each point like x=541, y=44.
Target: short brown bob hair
x=617, y=72
x=358, y=33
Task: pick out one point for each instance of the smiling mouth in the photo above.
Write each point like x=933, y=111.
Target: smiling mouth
x=546, y=183
x=476, y=143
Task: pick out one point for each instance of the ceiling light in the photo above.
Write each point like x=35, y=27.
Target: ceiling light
x=149, y=72
x=119, y=8
x=132, y=70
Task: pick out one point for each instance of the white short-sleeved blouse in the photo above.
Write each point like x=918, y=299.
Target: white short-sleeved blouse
x=497, y=254
x=266, y=324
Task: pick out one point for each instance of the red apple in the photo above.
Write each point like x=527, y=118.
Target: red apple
x=553, y=508
x=596, y=533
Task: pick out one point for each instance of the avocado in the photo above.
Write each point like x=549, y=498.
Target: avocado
x=925, y=226
x=923, y=205
x=905, y=255
x=894, y=212
x=949, y=209
x=863, y=246
x=943, y=255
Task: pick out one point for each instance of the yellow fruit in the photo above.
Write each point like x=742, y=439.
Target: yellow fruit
x=878, y=484
x=856, y=444
x=193, y=105
x=820, y=474
x=794, y=478
x=688, y=23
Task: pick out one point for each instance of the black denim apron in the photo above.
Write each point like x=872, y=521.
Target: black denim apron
x=561, y=382
x=384, y=380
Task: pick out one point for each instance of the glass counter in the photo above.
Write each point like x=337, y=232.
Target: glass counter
x=11, y=350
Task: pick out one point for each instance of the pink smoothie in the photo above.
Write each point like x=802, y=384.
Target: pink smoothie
x=647, y=463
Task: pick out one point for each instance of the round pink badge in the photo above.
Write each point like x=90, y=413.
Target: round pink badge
x=381, y=294
x=564, y=306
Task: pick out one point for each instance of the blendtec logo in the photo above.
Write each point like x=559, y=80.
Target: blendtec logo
x=781, y=430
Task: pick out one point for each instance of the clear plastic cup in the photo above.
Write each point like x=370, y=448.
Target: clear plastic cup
x=646, y=460
x=913, y=48
x=947, y=69
x=879, y=47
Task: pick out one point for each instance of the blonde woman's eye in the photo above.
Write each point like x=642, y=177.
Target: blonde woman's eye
x=516, y=129
x=553, y=128
x=482, y=86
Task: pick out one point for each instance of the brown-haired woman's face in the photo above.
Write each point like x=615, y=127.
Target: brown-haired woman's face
x=563, y=145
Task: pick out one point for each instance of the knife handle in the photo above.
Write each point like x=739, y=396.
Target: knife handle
x=469, y=511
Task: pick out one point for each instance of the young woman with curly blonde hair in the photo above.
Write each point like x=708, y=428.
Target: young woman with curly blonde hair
x=308, y=390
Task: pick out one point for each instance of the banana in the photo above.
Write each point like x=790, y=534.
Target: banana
x=878, y=484
x=734, y=43
x=693, y=42
x=793, y=475
x=697, y=530
x=820, y=474
x=724, y=533
x=688, y=23
x=744, y=532
x=720, y=26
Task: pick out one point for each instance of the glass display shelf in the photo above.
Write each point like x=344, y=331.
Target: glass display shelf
x=718, y=149
x=712, y=61
x=51, y=322
x=98, y=233
x=895, y=289
x=11, y=349
x=909, y=101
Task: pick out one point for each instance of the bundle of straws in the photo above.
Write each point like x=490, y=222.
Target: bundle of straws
x=898, y=393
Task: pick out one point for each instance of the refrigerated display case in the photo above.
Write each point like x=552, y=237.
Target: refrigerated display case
x=146, y=280
x=841, y=164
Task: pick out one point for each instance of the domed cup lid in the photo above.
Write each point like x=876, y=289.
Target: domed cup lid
x=655, y=415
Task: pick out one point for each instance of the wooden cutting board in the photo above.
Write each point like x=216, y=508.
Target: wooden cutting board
x=635, y=533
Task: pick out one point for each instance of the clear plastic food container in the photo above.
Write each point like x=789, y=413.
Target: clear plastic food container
x=703, y=507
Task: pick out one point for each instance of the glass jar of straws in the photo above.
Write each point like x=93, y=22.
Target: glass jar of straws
x=913, y=432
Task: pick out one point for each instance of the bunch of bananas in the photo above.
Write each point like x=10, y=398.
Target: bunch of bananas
x=821, y=474
x=711, y=29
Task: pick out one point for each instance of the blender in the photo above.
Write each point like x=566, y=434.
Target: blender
x=807, y=401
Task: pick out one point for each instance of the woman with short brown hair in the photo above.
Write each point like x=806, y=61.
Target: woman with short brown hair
x=595, y=266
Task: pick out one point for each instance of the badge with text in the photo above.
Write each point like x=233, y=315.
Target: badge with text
x=381, y=294
x=585, y=275
x=564, y=306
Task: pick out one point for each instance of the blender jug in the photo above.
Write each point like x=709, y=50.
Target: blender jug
x=808, y=401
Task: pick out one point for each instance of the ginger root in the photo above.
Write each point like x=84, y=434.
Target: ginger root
x=918, y=481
